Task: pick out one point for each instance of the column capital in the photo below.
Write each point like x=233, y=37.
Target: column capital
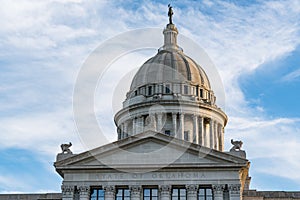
x=174, y=113
x=234, y=188
x=135, y=189
x=109, y=188
x=67, y=189
x=191, y=188
x=165, y=192
x=218, y=188
x=83, y=188
x=165, y=188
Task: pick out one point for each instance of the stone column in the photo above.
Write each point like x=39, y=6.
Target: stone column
x=218, y=191
x=206, y=133
x=84, y=192
x=201, y=131
x=215, y=136
x=195, y=129
x=159, y=122
x=192, y=191
x=133, y=126
x=135, y=192
x=234, y=192
x=165, y=192
x=125, y=132
x=122, y=131
x=211, y=134
x=181, y=127
x=109, y=192
x=222, y=138
x=67, y=192
x=174, y=121
x=139, y=124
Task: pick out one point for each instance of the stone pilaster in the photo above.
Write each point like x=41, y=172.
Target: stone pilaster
x=174, y=122
x=215, y=136
x=159, y=122
x=201, y=131
x=67, y=192
x=122, y=131
x=181, y=127
x=135, y=192
x=133, y=126
x=218, y=191
x=195, y=129
x=235, y=192
x=192, y=191
x=211, y=133
x=109, y=192
x=84, y=192
x=165, y=192
x=222, y=139
x=125, y=132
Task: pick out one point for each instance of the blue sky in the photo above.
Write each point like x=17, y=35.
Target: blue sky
x=43, y=44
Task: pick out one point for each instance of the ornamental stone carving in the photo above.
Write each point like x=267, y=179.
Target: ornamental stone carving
x=67, y=189
x=218, y=189
x=135, y=191
x=165, y=191
x=84, y=190
x=109, y=192
x=192, y=191
x=234, y=188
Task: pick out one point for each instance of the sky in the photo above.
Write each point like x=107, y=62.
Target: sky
x=44, y=44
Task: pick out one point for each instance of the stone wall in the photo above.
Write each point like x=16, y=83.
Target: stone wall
x=48, y=196
x=270, y=195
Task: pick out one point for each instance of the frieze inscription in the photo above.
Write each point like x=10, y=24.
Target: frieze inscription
x=149, y=176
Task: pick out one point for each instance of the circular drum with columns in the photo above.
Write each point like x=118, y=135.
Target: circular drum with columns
x=171, y=94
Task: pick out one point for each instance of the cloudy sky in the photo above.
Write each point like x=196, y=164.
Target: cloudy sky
x=255, y=45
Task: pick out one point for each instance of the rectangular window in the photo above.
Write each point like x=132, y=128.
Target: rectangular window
x=97, y=194
x=167, y=132
x=150, y=194
x=150, y=90
x=201, y=93
x=178, y=193
x=187, y=135
x=168, y=91
x=122, y=194
x=205, y=193
x=186, y=89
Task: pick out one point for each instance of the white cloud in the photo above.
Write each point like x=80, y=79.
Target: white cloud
x=291, y=76
x=52, y=39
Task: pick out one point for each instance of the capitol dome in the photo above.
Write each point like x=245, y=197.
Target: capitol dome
x=171, y=94
x=170, y=66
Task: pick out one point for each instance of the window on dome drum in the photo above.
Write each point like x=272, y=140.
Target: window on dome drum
x=150, y=194
x=178, y=193
x=201, y=93
x=97, y=194
x=167, y=132
x=187, y=135
x=150, y=90
x=168, y=91
x=197, y=91
x=205, y=193
x=122, y=194
x=186, y=89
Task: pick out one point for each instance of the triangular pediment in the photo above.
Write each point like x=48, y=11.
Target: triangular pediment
x=151, y=149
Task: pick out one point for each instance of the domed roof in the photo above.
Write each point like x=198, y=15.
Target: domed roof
x=170, y=66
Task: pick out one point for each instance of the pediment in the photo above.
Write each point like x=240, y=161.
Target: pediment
x=151, y=149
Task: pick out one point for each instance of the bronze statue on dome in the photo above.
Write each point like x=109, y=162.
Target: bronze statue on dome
x=170, y=13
